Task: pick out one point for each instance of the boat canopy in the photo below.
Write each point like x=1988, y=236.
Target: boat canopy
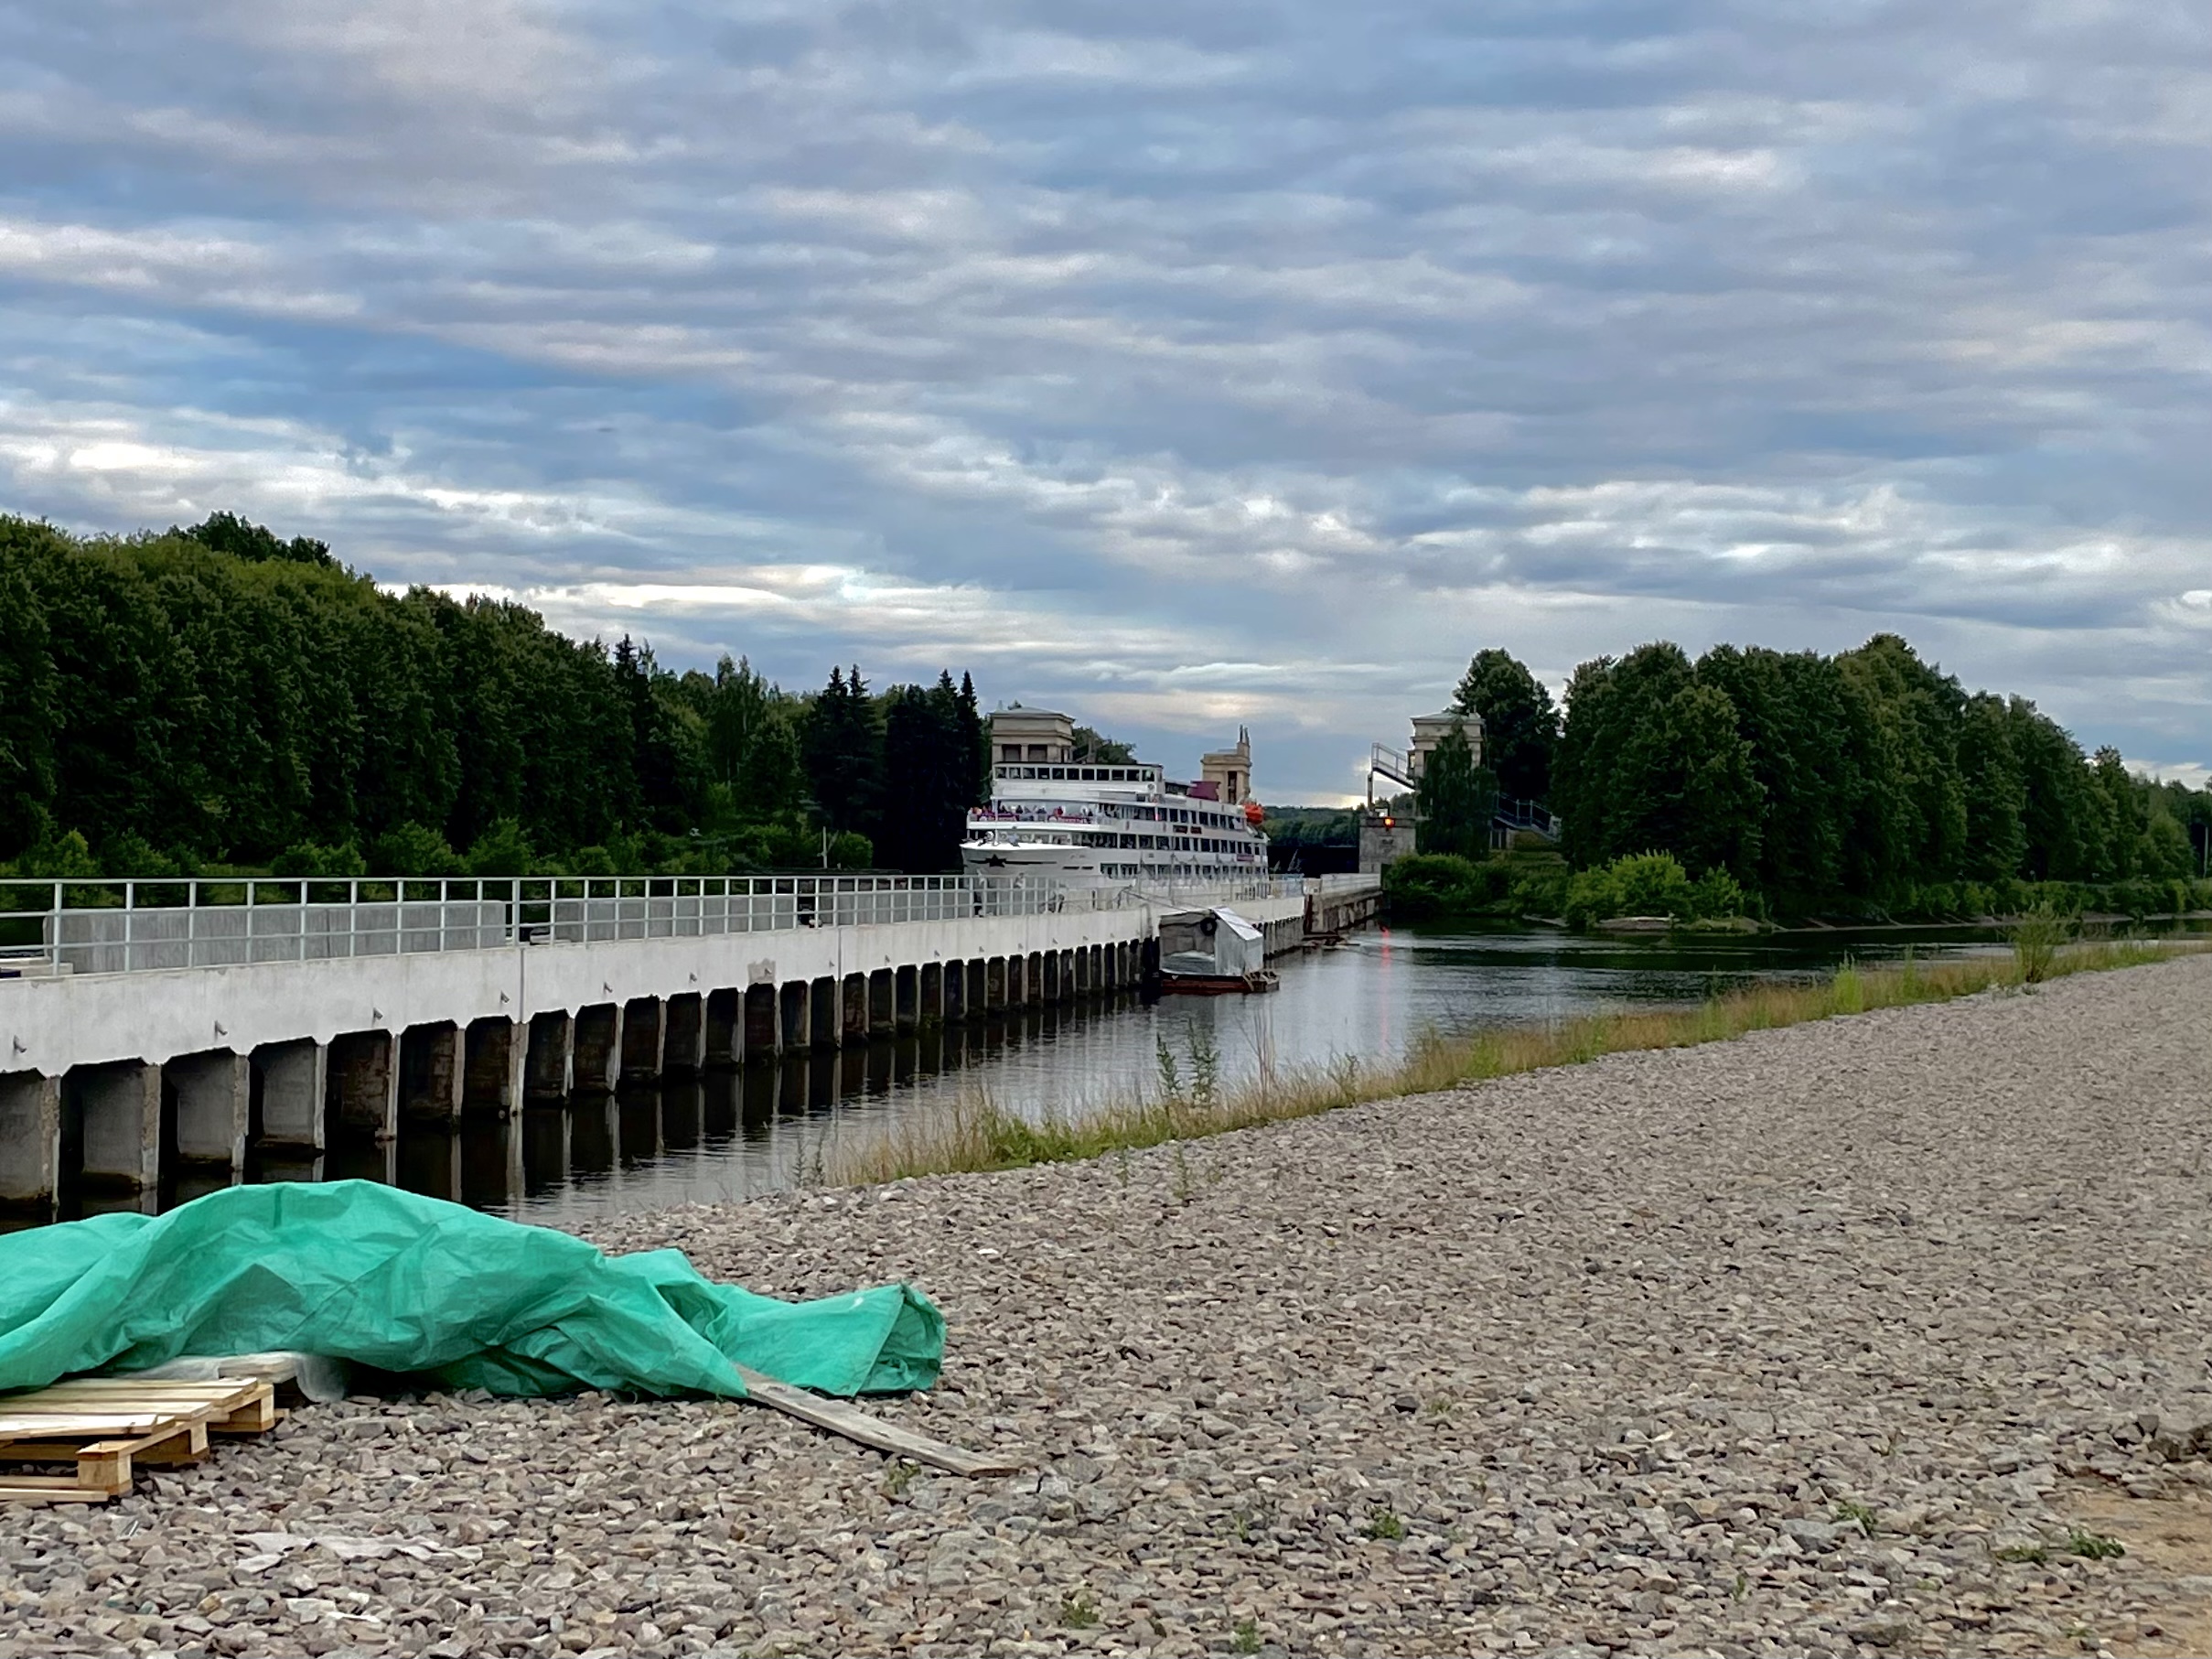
x=1210, y=944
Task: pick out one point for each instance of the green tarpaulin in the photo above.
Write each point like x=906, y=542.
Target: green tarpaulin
x=414, y=1285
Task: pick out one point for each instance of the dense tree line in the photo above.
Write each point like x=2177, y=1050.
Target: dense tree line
x=1866, y=783
x=219, y=697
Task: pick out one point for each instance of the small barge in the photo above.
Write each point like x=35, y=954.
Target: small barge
x=1212, y=952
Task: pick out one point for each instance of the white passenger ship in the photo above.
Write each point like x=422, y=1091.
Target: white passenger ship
x=1088, y=822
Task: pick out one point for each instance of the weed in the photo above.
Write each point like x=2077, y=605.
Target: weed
x=1861, y=1515
x=1078, y=1611
x=898, y=1477
x=1171, y=1075
x=2094, y=1546
x=2033, y=1554
x=2036, y=937
x=1247, y=1638
x=1439, y=1407
x=1182, y=1185
x=1740, y=1589
x=1850, y=988
x=1121, y=1161
x=1204, y=1068
x=1385, y=1525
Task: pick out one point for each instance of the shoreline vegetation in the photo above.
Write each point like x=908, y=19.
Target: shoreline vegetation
x=974, y=1134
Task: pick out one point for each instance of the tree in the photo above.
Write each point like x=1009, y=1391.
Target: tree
x=1455, y=799
x=844, y=753
x=1091, y=745
x=1520, y=725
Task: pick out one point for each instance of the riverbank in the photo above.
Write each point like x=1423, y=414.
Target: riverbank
x=971, y=1133
x=1853, y=1337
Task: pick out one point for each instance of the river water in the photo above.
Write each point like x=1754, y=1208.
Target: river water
x=730, y=1137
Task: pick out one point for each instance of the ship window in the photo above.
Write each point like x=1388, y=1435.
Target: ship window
x=1090, y=774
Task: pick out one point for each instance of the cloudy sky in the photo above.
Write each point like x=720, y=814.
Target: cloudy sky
x=1178, y=364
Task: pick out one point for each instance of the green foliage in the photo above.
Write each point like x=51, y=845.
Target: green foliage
x=851, y=851
x=1867, y=784
x=312, y=858
x=1090, y=744
x=1521, y=727
x=222, y=695
x=502, y=850
x=1455, y=799
x=2036, y=937
x=410, y=849
x=1653, y=884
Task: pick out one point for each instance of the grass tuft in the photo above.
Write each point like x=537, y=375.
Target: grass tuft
x=974, y=1134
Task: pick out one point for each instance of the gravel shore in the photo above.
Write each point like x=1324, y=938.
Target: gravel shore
x=1847, y=1338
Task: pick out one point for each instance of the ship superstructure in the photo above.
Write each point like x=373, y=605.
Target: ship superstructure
x=1086, y=821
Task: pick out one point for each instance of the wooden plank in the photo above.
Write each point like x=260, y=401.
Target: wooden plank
x=77, y=1390
x=842, y=1417
x=77, y=1424
x=42, y=1489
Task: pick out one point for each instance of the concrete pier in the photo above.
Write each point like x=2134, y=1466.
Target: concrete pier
x=431, y=1073
x=113, y=1080
x=363, y=1079
x=117, y=1112
x=288, y=1080
x=213, y=1096
x=30, y=1142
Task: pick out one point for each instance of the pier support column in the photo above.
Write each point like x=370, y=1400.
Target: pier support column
x=491, y=1067
x=995, y=985
x=975, y=995
x=598, y=1048
x=288, y=1088
x=906, y=999
x=763, y=1028
x=724, y=1027
x=825, y=1017
x=682, y=1035
x=119, y=1111
x=1084, y=984
x=932, y=1009
x=363, y=1077
x=797, y=1011
x=956, y=993
x=883, y=1004
x=1035, y=989
x=546, y=1073
x=1051, y=977
x=214, y=1094
x=854, y=1000
x=1070, y=963
x=431, y=1073
x=643, y=1026
x=30, y=1142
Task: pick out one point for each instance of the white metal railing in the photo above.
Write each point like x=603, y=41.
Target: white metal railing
x=131, y=926
x=1342, y=882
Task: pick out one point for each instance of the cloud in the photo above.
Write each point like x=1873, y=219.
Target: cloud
x=1183, y=365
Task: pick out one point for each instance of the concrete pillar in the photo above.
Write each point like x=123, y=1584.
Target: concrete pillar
x=932, y=1009
x=1068, y=973
x=1081, y=976
x=214, y=1094
x=598, y=1048
x=824, y=1019
x=642, y=1029
x=288, y=1087
x=724, y=1027
x=118, y=1109
x=883, y=1003
x=431, y=1073
x=30, y=1142
x=1052, y=977
x=956, y=992
x=1098, y=980
x=682, y=1035
x=491, y=1067
x=1033, y=977
x=763, y=1026
x=362, y=1074
x=975, y=995
x=995, y=985
x=856, y=1015
x=798, y=1010
x=547, y=1074
x=905, y=998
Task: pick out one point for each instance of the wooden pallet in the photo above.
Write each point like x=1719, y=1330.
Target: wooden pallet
x=107, y=1426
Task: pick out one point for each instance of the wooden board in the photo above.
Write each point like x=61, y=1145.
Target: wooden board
x=842, y=1417
x=108, y=1426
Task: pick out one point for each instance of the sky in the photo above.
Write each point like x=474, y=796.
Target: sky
x=1180, y=366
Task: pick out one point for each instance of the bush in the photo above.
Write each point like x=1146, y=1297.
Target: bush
x=1538, y=890
x=1719, y=896
x=312, y=858
x=1427, y=884
x=851, y=851
x=503, y=850
x=409, y=849
x=132, y=855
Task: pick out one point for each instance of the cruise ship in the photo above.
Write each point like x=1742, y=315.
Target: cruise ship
x=1100, y=823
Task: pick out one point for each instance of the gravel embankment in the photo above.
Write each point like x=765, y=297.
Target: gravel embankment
x=1769, y=1346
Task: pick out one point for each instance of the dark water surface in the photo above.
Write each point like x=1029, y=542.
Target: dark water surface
x=735, y=1136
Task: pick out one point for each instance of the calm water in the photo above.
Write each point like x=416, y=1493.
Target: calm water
x=732, y=1137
